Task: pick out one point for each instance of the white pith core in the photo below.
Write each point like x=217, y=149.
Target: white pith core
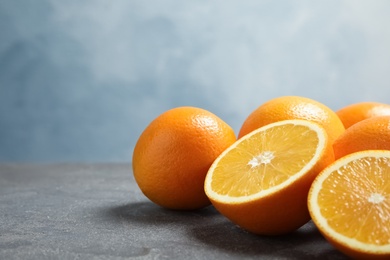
x=376, y=198
x=263, y=158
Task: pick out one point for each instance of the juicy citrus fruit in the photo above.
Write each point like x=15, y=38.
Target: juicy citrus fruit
x=173, y=154
x=349, y=202
x=261, y=182
x=293, y=107
x=369, y=134
x=357, y=112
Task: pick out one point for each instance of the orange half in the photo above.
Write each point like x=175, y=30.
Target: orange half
x=261, y=182
x=350, y=204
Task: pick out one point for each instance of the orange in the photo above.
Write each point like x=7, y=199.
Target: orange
x=349, y=202
x=369, y=134
x=357, y=112
x=293, y=107
x=261, y=182
x=173, y=154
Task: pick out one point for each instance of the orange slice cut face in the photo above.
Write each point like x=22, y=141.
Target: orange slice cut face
x=350, y=204
x=261, y=182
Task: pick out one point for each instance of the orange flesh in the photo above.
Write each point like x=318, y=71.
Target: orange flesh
x=360, y=208
x=269, y=158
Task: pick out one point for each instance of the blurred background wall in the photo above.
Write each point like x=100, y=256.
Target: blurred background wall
x=80, y=80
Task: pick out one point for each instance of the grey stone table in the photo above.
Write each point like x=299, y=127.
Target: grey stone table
x=96, y=211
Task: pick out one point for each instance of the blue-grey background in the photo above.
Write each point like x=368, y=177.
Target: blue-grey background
x=80, y=80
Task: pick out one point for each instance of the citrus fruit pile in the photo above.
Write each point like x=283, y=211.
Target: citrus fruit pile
x=294, y=159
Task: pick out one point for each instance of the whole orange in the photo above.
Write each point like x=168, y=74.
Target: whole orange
x=293, y=107
x=369, y=134
x=173, y=154
x=357, y=112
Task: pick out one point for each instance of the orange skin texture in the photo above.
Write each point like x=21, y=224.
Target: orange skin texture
x=354, y=253
x=267, y=216
x=357, y=112
x=173, y=154
x=293, y=107
x=369, y=134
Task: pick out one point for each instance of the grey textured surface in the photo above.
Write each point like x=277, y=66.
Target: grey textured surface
x=96, y=211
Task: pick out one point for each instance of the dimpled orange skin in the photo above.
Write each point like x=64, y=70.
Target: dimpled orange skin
x=294, y=107
x=357, y=112
x=353, y=253
x=369, y=134
x=173, y=154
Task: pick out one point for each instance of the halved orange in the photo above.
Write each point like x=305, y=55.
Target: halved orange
x=261, y=182
x=350, y=204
